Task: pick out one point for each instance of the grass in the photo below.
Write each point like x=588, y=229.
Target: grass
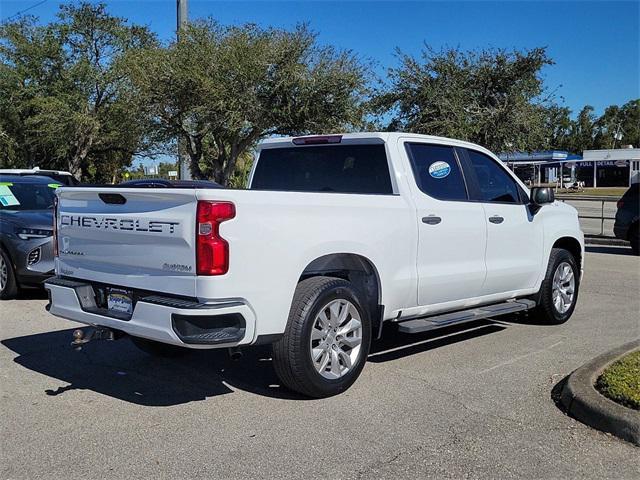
x=621, y=381
x=604, y=191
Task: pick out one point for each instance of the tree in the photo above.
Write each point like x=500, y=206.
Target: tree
x=558, y=125
x=490, y=97
x=221, y=89
x=67, y=100
x=623, y=120
x=589, y=131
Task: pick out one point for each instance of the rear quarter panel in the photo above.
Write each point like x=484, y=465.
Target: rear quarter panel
x=275, y=235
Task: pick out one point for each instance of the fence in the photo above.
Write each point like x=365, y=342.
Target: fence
x=596, y=213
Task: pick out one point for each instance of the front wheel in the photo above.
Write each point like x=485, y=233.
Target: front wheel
x=327, y=338
x=559, y=290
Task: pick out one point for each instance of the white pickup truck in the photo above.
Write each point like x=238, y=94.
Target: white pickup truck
x=334, y=235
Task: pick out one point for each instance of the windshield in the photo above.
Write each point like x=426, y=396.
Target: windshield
x=27, y=196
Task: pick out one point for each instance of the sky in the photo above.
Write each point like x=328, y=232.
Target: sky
x=595, y=44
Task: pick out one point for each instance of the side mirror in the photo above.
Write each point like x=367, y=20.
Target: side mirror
x=540, y=196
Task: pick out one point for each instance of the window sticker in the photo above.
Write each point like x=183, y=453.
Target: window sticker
x=439, y=169
x=53, y=185
x=7, y=198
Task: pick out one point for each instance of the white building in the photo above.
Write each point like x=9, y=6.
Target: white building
x=619, y=167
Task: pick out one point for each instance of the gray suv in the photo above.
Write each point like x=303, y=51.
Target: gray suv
x=26, y=231
x=626, y=226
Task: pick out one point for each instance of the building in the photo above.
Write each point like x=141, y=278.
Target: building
x=596, y=168
x=618, y=167
x=546, y=167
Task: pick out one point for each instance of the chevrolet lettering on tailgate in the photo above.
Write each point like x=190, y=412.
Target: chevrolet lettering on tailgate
x=109, y=223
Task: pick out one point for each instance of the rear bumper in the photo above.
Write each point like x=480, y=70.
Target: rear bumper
x=215, y=324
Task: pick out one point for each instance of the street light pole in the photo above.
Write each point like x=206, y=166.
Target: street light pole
x=183, y=13
x=182, y=7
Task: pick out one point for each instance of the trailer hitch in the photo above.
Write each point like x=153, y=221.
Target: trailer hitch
x=98, y=333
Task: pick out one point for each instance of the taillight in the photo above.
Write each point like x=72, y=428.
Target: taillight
x=620, y=204
x=317, y=140
x=212, y=251
x=55, y=226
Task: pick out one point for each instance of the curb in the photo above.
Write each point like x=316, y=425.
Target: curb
x=583, y=402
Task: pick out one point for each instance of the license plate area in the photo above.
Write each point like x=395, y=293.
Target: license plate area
x=119, y=302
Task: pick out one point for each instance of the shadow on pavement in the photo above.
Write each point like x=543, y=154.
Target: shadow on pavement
x=31, y=293
x=394, y=344
x=556, y=393
x=118, y=369
x=610, y=250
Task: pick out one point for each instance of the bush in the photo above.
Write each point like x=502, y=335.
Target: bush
x=621, y=381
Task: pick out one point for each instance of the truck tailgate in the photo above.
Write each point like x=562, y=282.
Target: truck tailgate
x=138, y=238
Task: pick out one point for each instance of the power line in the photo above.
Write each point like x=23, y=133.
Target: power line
x=25, y=10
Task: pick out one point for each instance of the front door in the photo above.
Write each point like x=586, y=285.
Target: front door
x=514, y=236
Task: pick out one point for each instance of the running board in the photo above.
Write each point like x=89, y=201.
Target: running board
x=425, y=324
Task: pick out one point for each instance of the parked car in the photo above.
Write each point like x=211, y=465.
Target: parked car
x=334, y=236
x=60, y=176
x=26, y=231
x=627, y=218
x=162, y=183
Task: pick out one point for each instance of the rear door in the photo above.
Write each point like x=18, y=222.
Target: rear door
x=452, y=230
x=514, y=236
x=138, y=238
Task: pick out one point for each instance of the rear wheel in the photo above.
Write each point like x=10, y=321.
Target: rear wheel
x=8, y=283
x=327, y=339
x=559, y=291
x=158, y=349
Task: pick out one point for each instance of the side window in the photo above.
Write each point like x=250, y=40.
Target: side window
x=494, y=184
x=437, y=172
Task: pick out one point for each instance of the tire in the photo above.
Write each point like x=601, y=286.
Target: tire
x=159, y=349
x=553, y=312
x=634, y=239
x=320, y=302
x=8, y=283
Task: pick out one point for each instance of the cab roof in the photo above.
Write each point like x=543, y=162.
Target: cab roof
x=364, y=137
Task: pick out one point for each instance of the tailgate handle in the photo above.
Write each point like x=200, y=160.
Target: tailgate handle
x=112, y=198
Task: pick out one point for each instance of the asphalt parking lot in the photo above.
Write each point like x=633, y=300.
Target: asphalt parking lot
x=475, y=402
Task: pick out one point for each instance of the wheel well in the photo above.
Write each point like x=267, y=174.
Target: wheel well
x=356, y=269
x=572, y=245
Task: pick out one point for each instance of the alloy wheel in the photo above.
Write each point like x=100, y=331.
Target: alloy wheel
x=4, y=274
x=563, y=288
x=336, y=337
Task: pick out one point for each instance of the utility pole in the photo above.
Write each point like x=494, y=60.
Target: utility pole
x=182, y=7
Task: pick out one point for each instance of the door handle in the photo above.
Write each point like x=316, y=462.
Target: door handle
x=496, y=219
x=431, y=220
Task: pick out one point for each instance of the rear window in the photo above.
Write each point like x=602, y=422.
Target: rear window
x=334, y=168
x=436, y=171
x=63, y=179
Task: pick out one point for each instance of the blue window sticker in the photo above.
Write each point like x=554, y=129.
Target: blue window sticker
x=439, y=169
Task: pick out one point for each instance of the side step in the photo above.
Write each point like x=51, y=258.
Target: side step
x=425, y=324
